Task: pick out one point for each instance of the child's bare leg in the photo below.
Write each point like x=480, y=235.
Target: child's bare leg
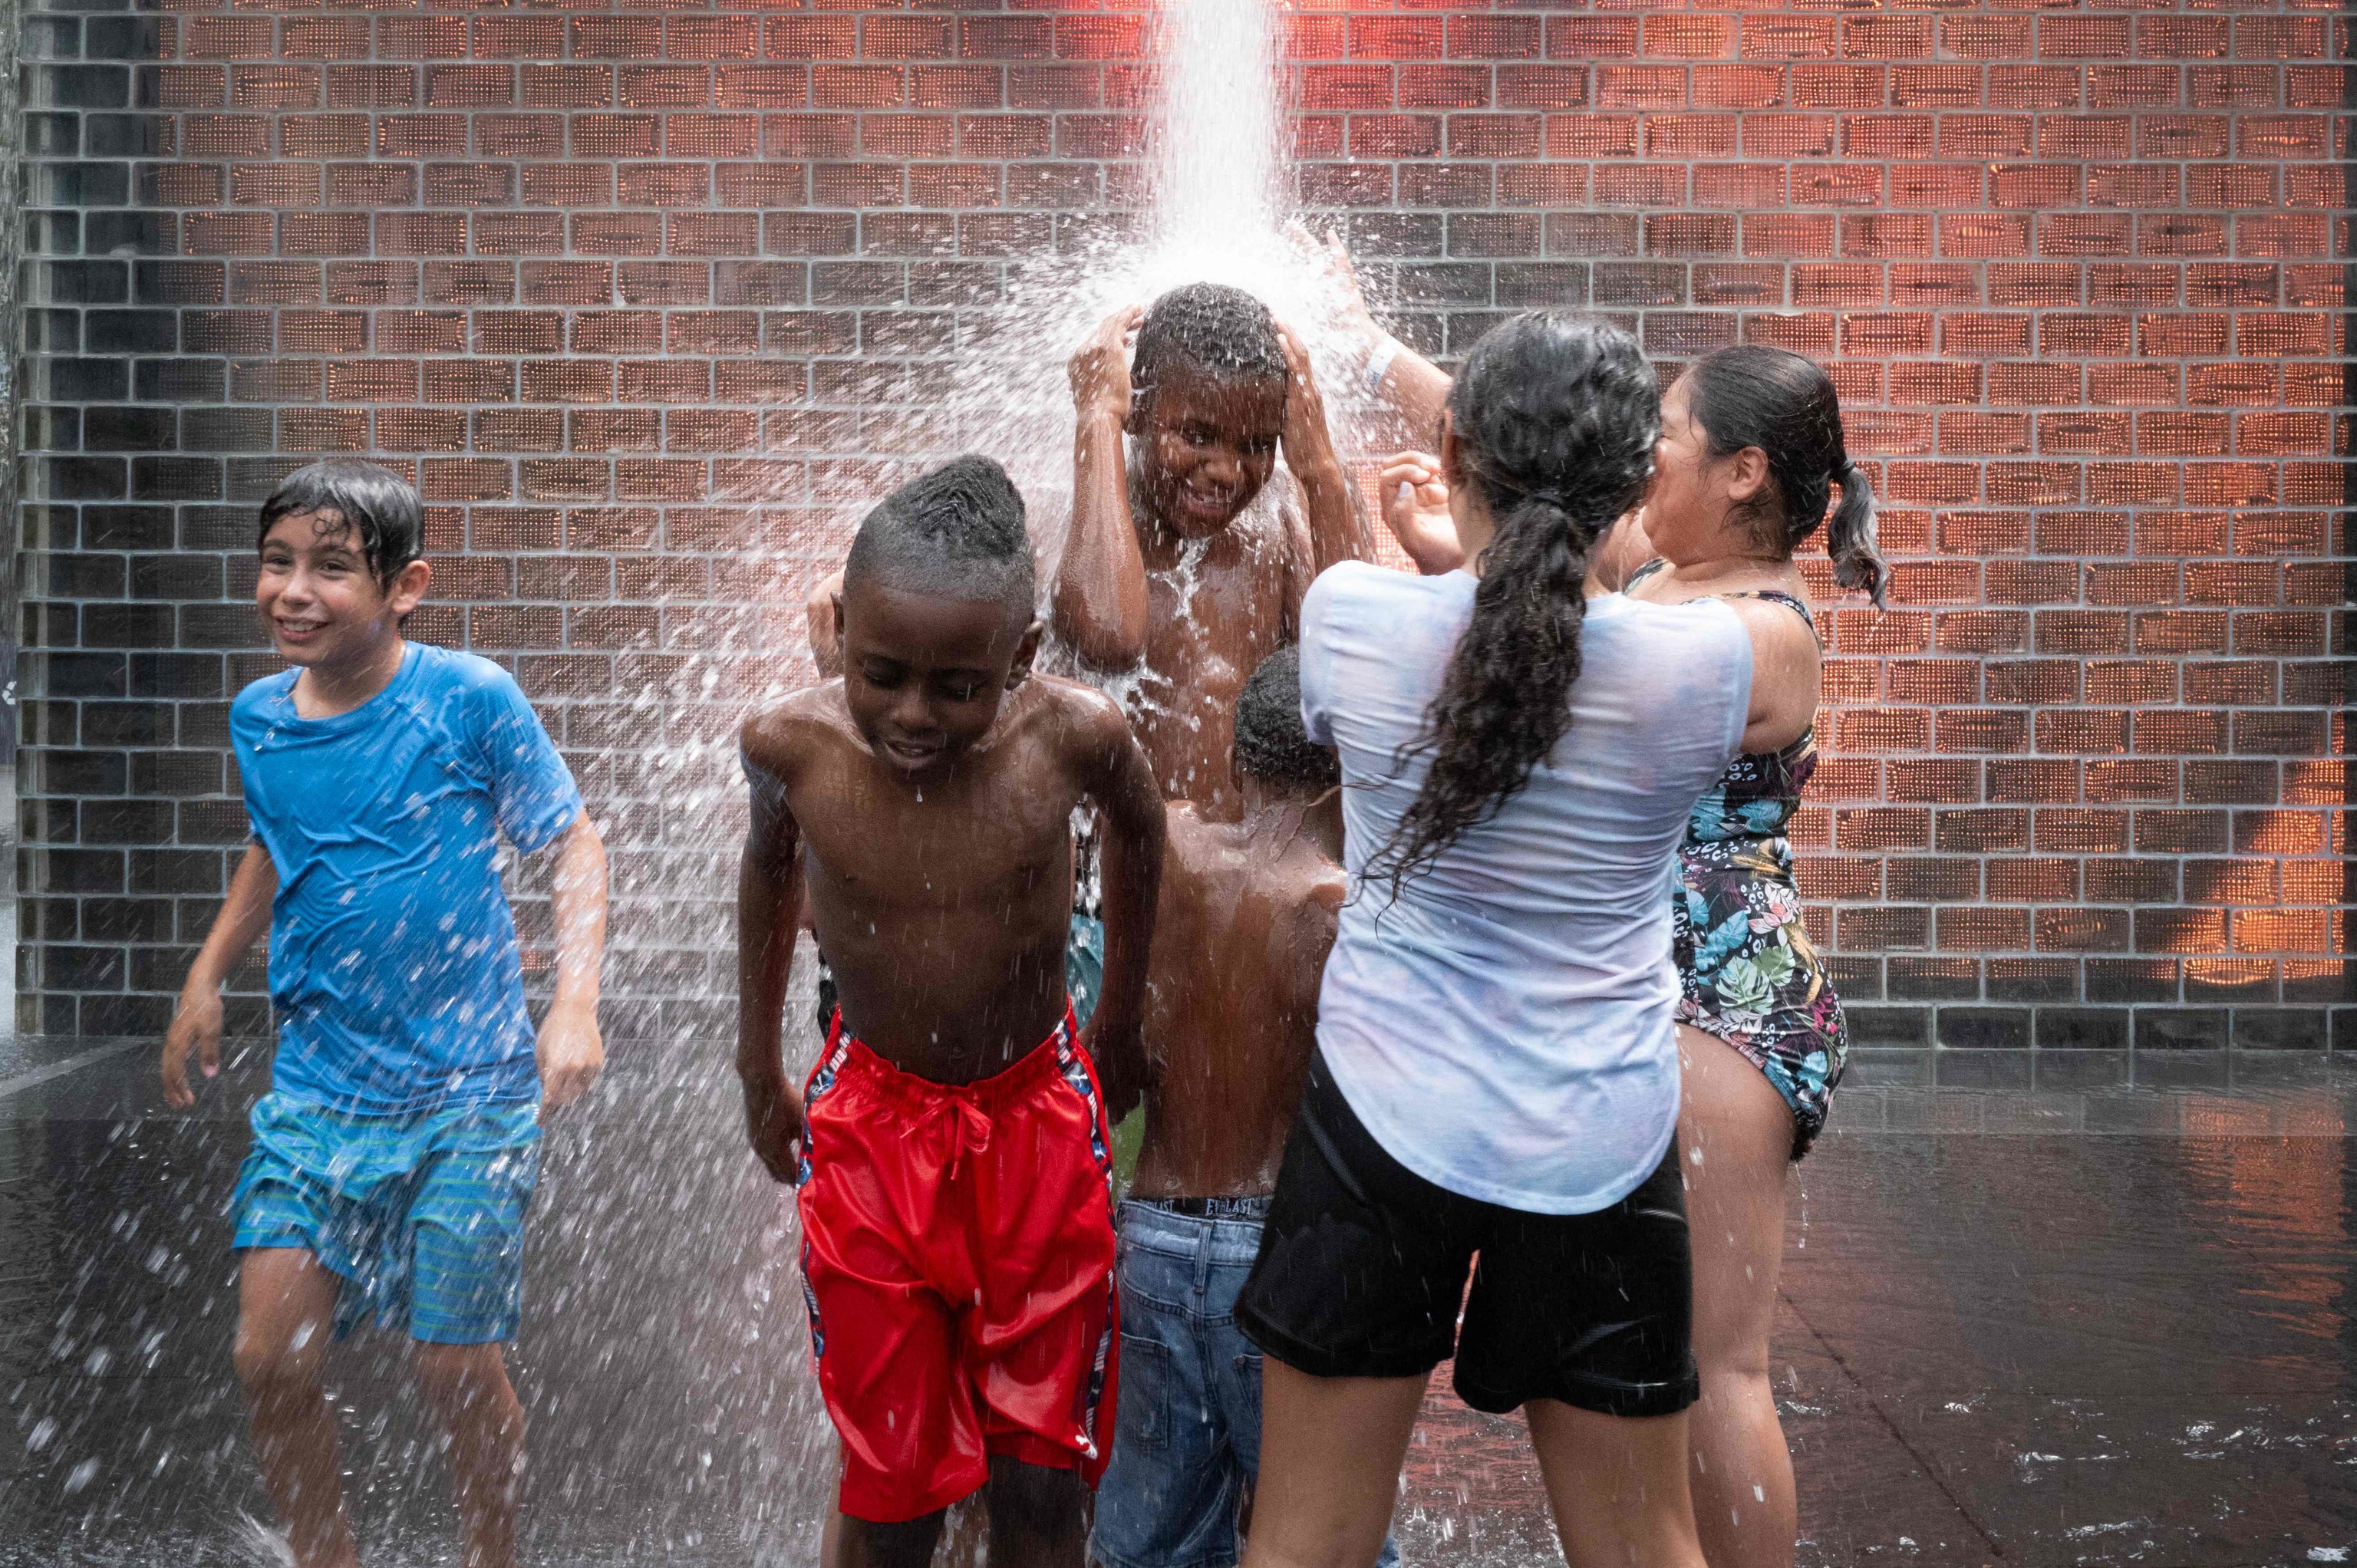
x=862, y=1543
x=285, y=1305
x=1037, y=1516
x=467, y=1386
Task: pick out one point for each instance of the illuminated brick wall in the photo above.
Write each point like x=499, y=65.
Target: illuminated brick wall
x=634, y=294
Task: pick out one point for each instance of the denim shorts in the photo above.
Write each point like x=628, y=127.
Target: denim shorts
x=1187, y=1439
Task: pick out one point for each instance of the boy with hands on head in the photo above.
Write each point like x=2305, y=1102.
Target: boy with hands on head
x=1166, y=566
x=394, y=1156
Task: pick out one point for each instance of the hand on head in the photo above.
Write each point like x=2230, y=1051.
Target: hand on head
x=1306, y=439
x=1415, y=497
x=1099, y=368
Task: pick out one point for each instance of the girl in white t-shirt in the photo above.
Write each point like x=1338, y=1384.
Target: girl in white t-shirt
x=1497, y=1070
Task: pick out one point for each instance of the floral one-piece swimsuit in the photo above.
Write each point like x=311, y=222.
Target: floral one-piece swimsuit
x=1746, y=970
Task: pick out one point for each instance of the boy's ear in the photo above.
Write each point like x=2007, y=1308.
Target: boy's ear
x=835, y=600
x=409, y=586
x=1452, y=452
x=1018, y=668
x=1134, y=421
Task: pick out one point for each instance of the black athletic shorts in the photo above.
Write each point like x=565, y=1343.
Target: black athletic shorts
x=1362, y=1267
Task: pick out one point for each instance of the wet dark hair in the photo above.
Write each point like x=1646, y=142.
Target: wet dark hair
x=1221, y=332
x=1555, y=416
x=1751, y=395
x=1272, y=742
x=377, y=503
x=954, y=533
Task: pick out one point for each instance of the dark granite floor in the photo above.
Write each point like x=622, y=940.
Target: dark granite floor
x=2021, y=1326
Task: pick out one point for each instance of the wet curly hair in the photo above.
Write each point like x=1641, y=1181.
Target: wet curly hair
x=373, y=503
x=1272, y=742
x=1209, y=327
x=1555, y=415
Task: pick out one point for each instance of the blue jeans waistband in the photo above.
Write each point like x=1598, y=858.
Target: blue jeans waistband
x=1254, y=1209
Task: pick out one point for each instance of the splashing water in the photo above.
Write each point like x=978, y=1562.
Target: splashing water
x=265, y=1545
x=1220, y=213
x=1216, y=139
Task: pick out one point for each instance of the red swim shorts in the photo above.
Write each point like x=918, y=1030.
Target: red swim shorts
x=958, y=1261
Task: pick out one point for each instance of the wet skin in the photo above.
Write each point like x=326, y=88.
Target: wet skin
x=925, y=798
x=1201, y=450
x=1205, y=452
x=1245, y=920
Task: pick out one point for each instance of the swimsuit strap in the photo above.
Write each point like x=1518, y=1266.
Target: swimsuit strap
x=1774, y=596
x=1779, y=597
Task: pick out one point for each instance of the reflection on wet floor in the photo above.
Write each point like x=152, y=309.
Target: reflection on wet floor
x=2021, y=1347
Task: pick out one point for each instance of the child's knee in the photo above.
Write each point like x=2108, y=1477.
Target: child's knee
x=273, y=1357
x=1035, y=1499
x=456, y=1376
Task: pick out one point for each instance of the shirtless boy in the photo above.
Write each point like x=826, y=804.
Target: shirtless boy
x=1250, y=893
x=1168, y=568
x=953, y=1169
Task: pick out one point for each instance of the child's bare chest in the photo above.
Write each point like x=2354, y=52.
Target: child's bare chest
x=1207, y=628
x=894, y=845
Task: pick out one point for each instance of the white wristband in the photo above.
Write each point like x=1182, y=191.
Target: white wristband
x=1379, y=363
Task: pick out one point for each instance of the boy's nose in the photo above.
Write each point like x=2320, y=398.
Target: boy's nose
x=912, y=713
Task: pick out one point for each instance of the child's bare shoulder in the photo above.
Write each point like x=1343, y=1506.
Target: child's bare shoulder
x=778, y=737
x=1082, y=712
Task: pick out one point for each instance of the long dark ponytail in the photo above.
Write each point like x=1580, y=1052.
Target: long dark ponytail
x=1555, y=418
x=1749, y=395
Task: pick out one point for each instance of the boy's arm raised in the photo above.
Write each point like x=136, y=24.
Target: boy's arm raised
x=571, y=1050
x=1338, y=523
x=196, y=1022
x=768, y=906
x=1404, y=381
x=1099, y=604
x=1122, y=791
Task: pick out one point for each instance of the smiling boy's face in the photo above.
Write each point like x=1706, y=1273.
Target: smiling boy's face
x=323, y=605
x=924, y=676
x=1206, y=446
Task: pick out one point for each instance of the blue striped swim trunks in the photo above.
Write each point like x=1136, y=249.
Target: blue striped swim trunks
x=422, y=1216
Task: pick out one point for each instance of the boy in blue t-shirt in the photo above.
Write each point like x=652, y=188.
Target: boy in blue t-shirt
x=396, y=1153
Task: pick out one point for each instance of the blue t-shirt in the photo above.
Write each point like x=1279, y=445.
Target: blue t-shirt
x=393, y=954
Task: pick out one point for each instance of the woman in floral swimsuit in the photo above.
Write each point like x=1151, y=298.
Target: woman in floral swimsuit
x=1749, y=971
x=1752, y=448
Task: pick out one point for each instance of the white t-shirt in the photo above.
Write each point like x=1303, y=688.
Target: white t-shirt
x=1505, y=1029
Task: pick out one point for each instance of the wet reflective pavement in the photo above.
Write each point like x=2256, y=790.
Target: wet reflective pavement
x=2030, y=1326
